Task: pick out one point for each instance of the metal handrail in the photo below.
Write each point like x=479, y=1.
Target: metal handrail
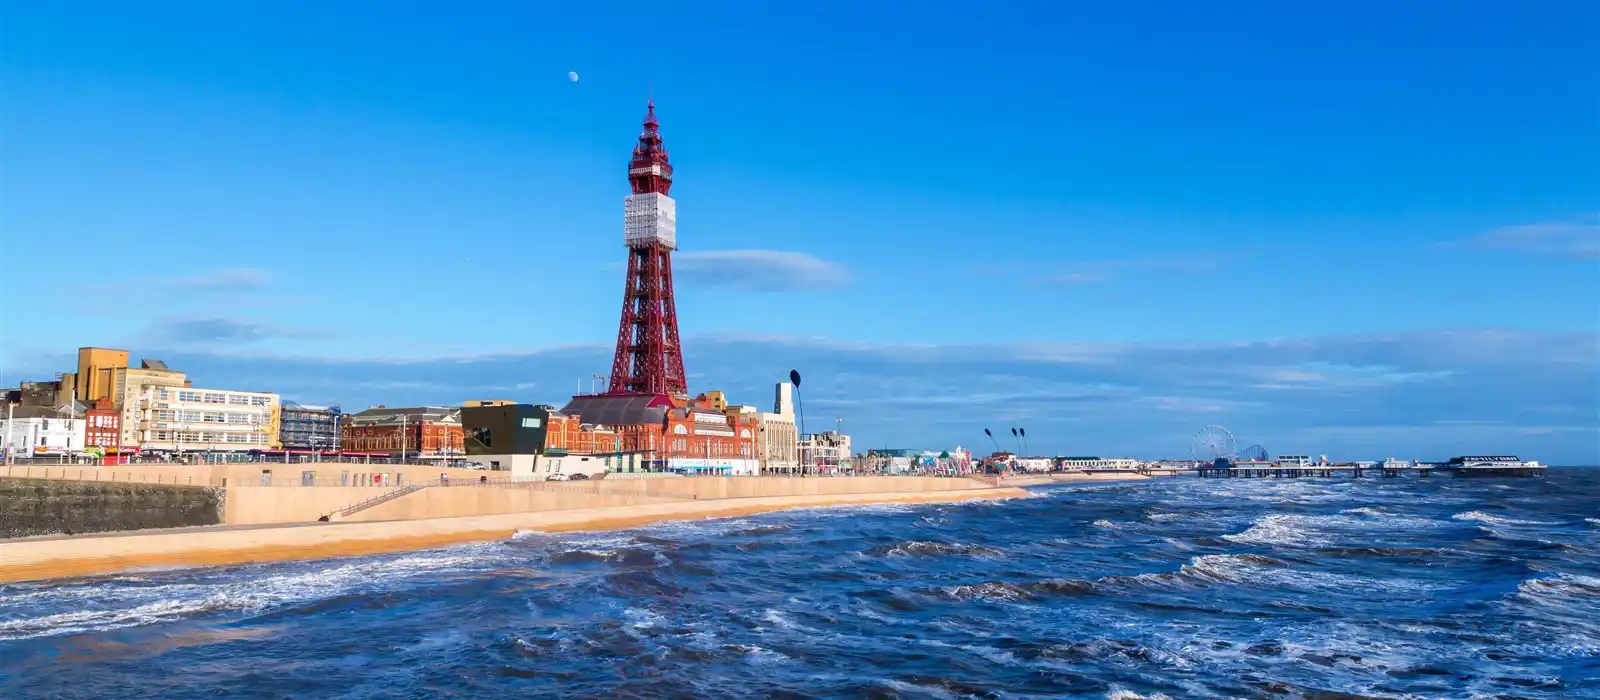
x=380, y=499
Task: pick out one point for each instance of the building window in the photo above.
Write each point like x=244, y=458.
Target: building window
x=680, y=429
x=530, y=422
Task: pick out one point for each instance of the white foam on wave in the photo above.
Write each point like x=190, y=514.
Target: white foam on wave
x=1292, y=530
x=1125, y=694
x=1482, y=517
x=915, y=690
x=1320, y=530
x=1561, y=588
x=1366, y=510
x=1105, y=524
x=107, y=606
x=1592, y=521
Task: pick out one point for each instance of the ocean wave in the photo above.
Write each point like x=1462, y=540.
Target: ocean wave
x=1316, y=531
x=629, y=556
x=1592, y=521
x=239, y=590
x=1561, y=586
x=1124, y=694
x=1292, y=530
x=1479, y=516
x=1381, y=551
x=988, y=590
x=1367, y=510
x=932, y=549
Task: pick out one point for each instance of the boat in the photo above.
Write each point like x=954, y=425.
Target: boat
x=1494, y=465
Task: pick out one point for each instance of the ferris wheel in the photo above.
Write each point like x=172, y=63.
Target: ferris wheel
x=1211, y=443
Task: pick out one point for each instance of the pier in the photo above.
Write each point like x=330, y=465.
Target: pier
x=1328, y=471
x=1317, y=471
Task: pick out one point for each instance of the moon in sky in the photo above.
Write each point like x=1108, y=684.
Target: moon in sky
x=573, y=76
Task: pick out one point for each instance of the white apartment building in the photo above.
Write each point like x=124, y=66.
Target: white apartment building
x=35, y=431
x=188, y=419
x=1098, y=463
x=824, y=452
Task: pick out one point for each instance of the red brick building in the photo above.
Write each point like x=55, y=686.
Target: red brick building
x=570, y=434
x=429, y=432
x=701, y=435
x=103, y=428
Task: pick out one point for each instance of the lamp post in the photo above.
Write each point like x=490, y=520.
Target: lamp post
x=800, y=404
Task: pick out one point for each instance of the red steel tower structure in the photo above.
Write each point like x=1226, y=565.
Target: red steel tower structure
x=649, y=358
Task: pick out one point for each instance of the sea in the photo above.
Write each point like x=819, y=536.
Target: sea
x=1166, y=588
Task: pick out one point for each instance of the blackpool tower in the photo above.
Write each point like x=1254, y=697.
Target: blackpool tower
x=649, y=359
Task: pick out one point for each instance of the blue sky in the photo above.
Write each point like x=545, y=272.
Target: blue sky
x=1345, y=229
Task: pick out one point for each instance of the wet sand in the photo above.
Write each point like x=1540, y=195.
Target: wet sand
x=66, y=556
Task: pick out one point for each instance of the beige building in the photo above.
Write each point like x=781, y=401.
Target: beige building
x=190, y=419
x=778, y=449
x=162, y=412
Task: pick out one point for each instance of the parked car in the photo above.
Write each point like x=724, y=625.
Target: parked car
x=556, y=477
x=578, y=477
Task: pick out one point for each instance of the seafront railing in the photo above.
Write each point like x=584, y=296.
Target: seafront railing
x=69, y=472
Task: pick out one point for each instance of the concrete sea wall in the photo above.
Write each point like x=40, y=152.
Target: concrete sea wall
x=55, y=557
x=30, y=507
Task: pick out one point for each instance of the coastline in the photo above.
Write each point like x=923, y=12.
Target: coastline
x=55, y=557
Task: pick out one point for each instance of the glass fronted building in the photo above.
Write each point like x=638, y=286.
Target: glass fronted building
x=310, y=427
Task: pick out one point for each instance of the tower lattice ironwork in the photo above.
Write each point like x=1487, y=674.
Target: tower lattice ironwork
x=649, y=358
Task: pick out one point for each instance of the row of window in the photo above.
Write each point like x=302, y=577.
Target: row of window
x=715, y=448
x=214, y=397
x=208, y=437
x=211, y=417
x=681, y=429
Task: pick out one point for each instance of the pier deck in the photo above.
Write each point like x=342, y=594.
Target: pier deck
x=1331, y=471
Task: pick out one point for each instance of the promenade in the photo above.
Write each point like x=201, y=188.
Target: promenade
x=273, y=523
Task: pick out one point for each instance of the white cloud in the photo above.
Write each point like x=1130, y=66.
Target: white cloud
x=759, y=270
x=1570, y=239
x=236, y=278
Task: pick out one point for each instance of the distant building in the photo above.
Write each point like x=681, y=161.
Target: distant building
x=181, y=419
x=699, y=435
x=103, y=429
x=33, y=432
x=824, y=452
x=427, y=432
x=309, y=428
x=778, y=449
x=1096, y=463
x=702, y=437
x=157, y=409
x=488, y=402
x=538, y=442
